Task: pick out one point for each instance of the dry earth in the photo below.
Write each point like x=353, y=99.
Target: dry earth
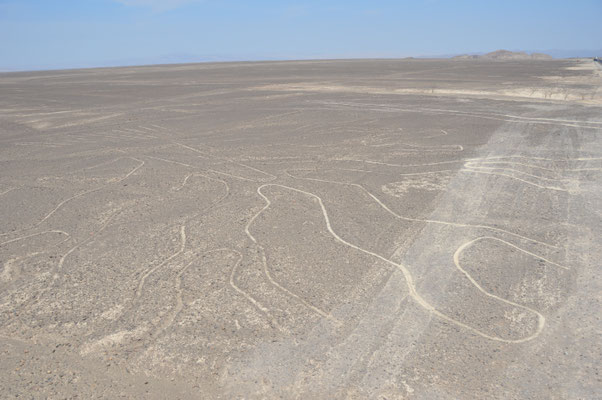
x=424, y=229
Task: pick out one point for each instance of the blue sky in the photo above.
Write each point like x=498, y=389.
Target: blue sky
x=62, y=34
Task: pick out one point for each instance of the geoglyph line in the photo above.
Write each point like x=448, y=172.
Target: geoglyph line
x=469, y=164
x=492, y=116
x=476, y=167
x=198, y=174
x=444, y=133
x=385, y=173
x=410, y=281
x=434, y=221
x=7, y=191
x=61, y=262
x=464, y=246
x=397, y=165
x=425, y=149
x=478, y=171
x=103, y=163
x=199, y=167
x=62, y=203
x=132, y=171
x=264, y=310
x=102, y=228
x=179, y=306
x=183, y=183
x=183, y=241
x=182, y=235
x=540, y=318
x=34, y=234
x=469, y=160
x=266, y=269
x=90, y=191
x=142, y=280
x=139, y=134
x=272, y=177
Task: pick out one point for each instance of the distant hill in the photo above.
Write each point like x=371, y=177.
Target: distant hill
x=504, y=55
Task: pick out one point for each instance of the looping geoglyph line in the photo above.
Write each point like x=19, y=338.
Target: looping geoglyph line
x=396, y=215
x=410, y=280
x=408, y=276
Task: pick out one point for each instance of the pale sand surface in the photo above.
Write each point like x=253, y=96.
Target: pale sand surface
x=390, y=229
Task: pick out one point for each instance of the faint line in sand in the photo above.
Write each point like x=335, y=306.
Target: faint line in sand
x=7, y=191
x=491, y=116
x=444, y=133
x=184, y=182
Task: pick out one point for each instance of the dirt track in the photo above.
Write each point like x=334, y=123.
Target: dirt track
x=315, y=229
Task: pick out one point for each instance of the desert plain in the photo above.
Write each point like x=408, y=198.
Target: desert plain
x=387, y=229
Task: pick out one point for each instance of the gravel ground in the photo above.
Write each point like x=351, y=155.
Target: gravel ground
x=315, y=229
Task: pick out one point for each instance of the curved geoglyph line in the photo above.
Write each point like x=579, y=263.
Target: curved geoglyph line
x=264, y=310
x=534, y=158
x=205, y=169
x=267, y=271
x=420, y=148
x=482, y=160
x=473, y=165
x=410, y=280
x=555, y=170
x=184, y=182
x=271, y=177
x=464, y=246
x=179, y=306
x=491, y=116
x=540, y=318
x=59, y=266
x=77, y=245
x=148, y=272
x=476, y=166
x=443, y=133
x=107, y=162
x=7, y=191
x=479, y=170
x=35, y=234
x=62, y=203
x=433, y=221
x=384, y=173
x=179, y=301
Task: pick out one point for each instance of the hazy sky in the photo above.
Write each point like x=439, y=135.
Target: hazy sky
x=60, y=33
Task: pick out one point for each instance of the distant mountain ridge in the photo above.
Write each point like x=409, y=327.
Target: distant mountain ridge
x=504, y=55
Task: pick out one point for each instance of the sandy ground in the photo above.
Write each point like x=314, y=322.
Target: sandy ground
x=388, y=229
